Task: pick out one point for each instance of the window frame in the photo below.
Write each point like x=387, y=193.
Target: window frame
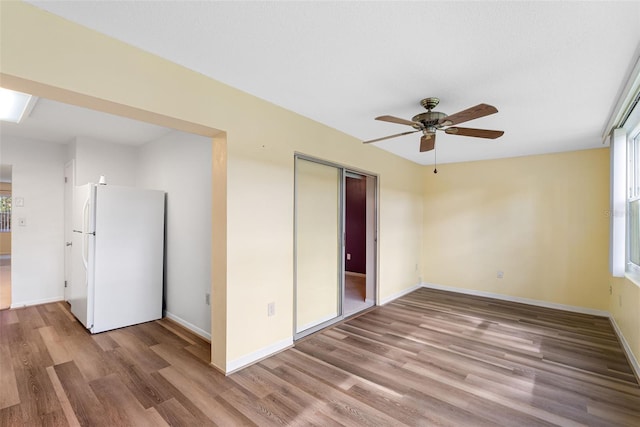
x=632, y=194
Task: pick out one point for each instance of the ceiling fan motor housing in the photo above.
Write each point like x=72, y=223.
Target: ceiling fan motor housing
x=428, y=119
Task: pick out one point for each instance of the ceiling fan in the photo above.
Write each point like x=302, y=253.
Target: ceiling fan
x=431, y=121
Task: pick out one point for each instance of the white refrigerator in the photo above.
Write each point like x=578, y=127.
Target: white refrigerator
x=118, y=256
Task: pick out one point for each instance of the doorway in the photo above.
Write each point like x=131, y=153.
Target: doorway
x=69, y=183
x=359, y=242
x=5, y=235
x=335, y=243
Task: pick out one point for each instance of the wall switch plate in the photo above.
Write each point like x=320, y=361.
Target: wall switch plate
x=500, y=274
x=207, y=298
x=18, y=202
x=348, y=257
x=271, y=309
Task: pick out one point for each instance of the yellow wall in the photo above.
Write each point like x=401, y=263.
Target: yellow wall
x=5, y=238
x=5, y=243
x=542, y=220
x=48, y=56
x=624, y=305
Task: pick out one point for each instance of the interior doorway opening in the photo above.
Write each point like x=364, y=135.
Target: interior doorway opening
x=5, y=235
x=359, y=242
x=69, y=182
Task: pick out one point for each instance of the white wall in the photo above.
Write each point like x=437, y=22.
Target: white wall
x=180, y=164
x=117, y=162
x=37, y=269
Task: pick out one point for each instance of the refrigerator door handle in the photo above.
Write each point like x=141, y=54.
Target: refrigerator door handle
x=85, y=218
x=85, y=226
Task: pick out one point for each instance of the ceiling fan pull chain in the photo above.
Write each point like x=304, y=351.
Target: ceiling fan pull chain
x=435, y=161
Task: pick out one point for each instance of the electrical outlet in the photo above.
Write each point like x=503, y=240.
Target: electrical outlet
x=500, y=274
x=271, y=309
x=207, y=298
x=348, y=257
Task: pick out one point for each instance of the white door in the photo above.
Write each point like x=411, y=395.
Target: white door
x=69, y=180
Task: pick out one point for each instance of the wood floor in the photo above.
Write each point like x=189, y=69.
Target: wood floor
x=355, y=294
x=429, y=358
x=5, y=281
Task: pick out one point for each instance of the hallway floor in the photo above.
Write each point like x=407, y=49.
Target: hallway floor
x=5, y=281
x=355, y=294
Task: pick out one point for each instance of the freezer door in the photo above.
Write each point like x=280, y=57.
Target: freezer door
x=81, y=255
x=81, y=201
x=129, y=249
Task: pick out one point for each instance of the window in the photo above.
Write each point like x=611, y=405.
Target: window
x=633, y=201
x=5, y=212
x=623, y=130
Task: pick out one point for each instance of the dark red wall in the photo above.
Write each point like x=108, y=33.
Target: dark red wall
x=356, y=225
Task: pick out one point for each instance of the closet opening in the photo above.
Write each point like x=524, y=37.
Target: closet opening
x=335, y=243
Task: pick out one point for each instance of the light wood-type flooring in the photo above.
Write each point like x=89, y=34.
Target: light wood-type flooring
x=355, y=294
x=5, y=281
x=429, y=358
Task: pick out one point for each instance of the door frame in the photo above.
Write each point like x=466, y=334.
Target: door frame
x=371, y=238
x=343, y=170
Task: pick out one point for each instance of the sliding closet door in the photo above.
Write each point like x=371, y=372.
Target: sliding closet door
x=318, y=241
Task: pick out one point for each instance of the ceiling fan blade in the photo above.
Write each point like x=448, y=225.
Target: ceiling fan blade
x=476, y=112
x=478, y=133
x=390, y=136
x=396, y=120
x=427, y=142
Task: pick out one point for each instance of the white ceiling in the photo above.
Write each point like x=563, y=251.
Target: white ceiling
x=553, y=69
x=53, y=121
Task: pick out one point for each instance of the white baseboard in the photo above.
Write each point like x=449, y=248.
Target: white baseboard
x=397, y=295
x=36, y=302
x=627, y=349
x=190, y=326
x=539, y=303
x=256, y=356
